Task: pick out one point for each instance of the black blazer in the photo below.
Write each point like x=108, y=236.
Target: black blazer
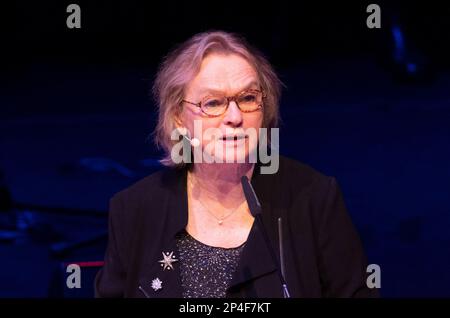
x=323, y=253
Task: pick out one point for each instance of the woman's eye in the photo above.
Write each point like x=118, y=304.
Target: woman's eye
x=248, y=98
x=212, y=103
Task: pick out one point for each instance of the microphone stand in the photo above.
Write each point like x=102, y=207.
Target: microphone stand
x=255, y=210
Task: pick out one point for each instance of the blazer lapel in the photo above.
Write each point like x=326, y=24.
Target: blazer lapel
x=174, y=219
x=256, y=260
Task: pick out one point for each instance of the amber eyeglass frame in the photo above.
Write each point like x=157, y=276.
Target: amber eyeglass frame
x=229, y=100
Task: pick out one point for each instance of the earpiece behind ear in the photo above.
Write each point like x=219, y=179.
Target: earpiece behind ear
x=182, y=131
x=194, y=142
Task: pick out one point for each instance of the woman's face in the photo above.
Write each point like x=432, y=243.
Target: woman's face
x=223, y=75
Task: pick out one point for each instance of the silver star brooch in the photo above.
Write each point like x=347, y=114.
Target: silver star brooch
x=169, y=258
x=156, y=284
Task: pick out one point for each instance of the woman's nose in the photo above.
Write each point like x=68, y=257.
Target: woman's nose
x=233, y=115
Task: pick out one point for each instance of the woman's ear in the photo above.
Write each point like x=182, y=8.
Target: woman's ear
x=177, y=119
x=178, y=123
x=179, y=126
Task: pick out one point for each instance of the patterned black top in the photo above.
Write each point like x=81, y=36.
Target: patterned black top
x=206, y=271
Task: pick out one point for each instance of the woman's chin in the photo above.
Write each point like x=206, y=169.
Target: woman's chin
x=233, y=156
x=230, y=152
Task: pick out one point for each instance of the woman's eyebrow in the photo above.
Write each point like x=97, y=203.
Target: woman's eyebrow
x=218, y=91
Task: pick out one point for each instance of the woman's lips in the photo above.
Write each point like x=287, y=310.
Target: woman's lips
x=233, y=139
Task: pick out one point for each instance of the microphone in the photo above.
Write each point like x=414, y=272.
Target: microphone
x=194, y=141
x=255, y=210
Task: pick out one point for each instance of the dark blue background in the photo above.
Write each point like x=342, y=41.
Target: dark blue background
x=371, y=107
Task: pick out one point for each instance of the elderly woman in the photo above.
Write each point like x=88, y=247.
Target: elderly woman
x=187, y=231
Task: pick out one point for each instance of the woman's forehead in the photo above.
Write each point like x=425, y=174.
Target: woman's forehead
x=224, y=73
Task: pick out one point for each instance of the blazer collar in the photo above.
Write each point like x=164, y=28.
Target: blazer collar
x=178, y=204
x=256, y=259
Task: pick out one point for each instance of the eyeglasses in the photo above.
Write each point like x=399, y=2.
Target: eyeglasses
x=247, y=101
